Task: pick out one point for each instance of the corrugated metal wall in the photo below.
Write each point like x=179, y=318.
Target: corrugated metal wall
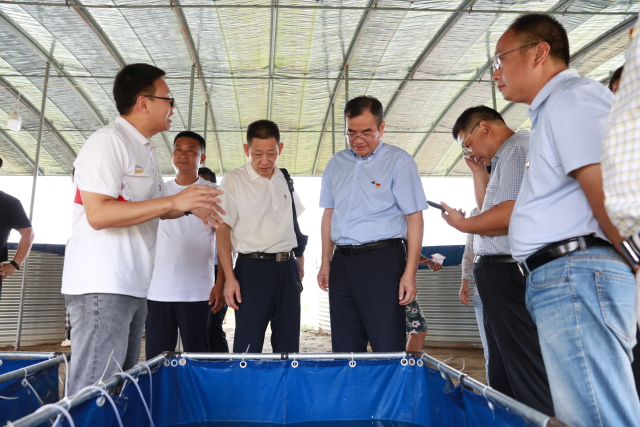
x=43, y=316
x=449, y=320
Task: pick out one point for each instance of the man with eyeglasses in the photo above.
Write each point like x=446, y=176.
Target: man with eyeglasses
x=372, y=230
x=515, y=361
x=580, y=291
x=110, y=255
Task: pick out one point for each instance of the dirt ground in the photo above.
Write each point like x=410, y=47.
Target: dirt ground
x=468, y=360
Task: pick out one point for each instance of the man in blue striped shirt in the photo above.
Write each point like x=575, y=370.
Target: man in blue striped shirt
x=372, y=230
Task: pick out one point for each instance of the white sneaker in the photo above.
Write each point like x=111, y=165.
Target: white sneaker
x=66, y=343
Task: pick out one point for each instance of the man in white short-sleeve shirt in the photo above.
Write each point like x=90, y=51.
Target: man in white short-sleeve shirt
x=266, y=282
x=109, y=257
x=183, y=274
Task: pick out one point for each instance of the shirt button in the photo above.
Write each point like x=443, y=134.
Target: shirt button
x=347, y=215
x=355, y=179
x=352, y=197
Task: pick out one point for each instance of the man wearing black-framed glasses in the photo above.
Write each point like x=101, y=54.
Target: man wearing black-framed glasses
x=580, y=291
x=515, y=364
x=117, y=205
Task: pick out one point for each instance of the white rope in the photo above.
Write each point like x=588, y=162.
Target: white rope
x=25, y=380
x=59, y=408
x=135, y=383
x=105, y=368
x=150, y=384
x=108, y=397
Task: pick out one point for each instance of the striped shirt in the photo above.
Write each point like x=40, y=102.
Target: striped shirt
x=621, y=147
x=507, y=170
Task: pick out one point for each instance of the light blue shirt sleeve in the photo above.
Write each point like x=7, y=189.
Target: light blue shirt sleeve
x=407, y=186
x=326, y=197
x=578, y=137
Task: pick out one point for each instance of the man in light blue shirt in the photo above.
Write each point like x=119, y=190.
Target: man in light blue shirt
x=580, y=291
x=373, y=201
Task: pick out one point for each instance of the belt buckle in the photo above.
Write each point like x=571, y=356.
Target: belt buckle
x=282, y=256
x=476, y=259
x=524, y=269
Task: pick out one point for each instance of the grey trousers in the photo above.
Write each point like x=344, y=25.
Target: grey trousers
x=100, y=324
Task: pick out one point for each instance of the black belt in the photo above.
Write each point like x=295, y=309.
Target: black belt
x=493, y=259
x=558, y=250
x=368, y=247
x=278, y=257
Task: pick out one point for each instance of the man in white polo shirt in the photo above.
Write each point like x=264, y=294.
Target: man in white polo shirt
x=266, y=283
x=110, y=254
x=183, y=274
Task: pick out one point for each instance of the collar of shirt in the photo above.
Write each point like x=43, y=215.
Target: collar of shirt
x=502, y=147
x=255, y=176
x=135, y=132
x=550, y=87
x=369, y=156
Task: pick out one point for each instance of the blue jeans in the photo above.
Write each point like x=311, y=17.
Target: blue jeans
x=583, y=305
x=479, y=309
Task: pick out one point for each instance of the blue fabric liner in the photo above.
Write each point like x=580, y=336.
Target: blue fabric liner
x=45, y=382
x=41, y=247
x=452, y=252
x=276, y=392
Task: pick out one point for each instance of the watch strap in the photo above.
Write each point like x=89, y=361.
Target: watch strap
x=15, y=264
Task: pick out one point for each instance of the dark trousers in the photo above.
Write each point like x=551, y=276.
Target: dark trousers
x=635, y=366
x=216, y=337
x=270, y=292
x=363, y=301
x=164, y=319
x=516, y=367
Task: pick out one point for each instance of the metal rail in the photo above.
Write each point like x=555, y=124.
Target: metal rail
x=22, y=372
x=29, y=354
x=82, y=396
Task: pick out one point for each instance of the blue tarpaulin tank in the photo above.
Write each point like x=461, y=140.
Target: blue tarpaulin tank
x=398, y=391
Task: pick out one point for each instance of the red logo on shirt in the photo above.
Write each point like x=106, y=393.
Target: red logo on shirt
x=78, y=198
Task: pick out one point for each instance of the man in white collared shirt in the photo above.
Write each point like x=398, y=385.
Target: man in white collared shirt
x=109, y=258
x=266, y=282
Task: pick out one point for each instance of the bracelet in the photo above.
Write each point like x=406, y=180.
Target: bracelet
x=15, y=264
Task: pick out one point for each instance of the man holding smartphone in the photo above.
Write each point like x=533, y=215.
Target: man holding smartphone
x=515, y=361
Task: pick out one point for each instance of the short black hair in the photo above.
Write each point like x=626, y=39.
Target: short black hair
x=357, y=106
x=615, y=77
x=474, y=115
x=1, y=162
x=131, y=82
x=540, y=27
x=207, y=174
x=263, y=129
x=192, y=135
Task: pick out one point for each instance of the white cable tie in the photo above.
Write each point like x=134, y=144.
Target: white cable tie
x=489, y=403
x=58, y=408
x=105, y=368
x=8, y=398
x=108, y=397
x=25, y=382
x=135, y=383
x=66, y=376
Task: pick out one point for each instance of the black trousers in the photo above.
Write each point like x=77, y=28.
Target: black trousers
x=635, y=366
x=216, y=337
x=363, y=301
x=270, y=292
x=516, y=367
x=165, y=318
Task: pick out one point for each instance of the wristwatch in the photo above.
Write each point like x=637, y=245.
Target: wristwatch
x=15, y=264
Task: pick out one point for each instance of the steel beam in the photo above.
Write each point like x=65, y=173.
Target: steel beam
x=97, y=30
x=313, y=6
x=20, y=151
x=29, y=106
x=362, y=26
x=195, y=59
x=38, y=49
x=433, y=43
x=272, y=54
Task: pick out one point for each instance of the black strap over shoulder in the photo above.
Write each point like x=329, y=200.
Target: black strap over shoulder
x=301, y=238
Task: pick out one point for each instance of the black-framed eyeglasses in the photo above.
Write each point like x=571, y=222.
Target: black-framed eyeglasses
x=497, y=59
x=466, y=150
x=172, y=101
x=353, y=136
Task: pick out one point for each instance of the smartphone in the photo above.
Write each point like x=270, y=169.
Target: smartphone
x=435, y=205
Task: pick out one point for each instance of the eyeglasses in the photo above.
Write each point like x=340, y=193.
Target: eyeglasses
x=353, y=136
x=466, y=150
x=172, y=101
x=497, y=61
